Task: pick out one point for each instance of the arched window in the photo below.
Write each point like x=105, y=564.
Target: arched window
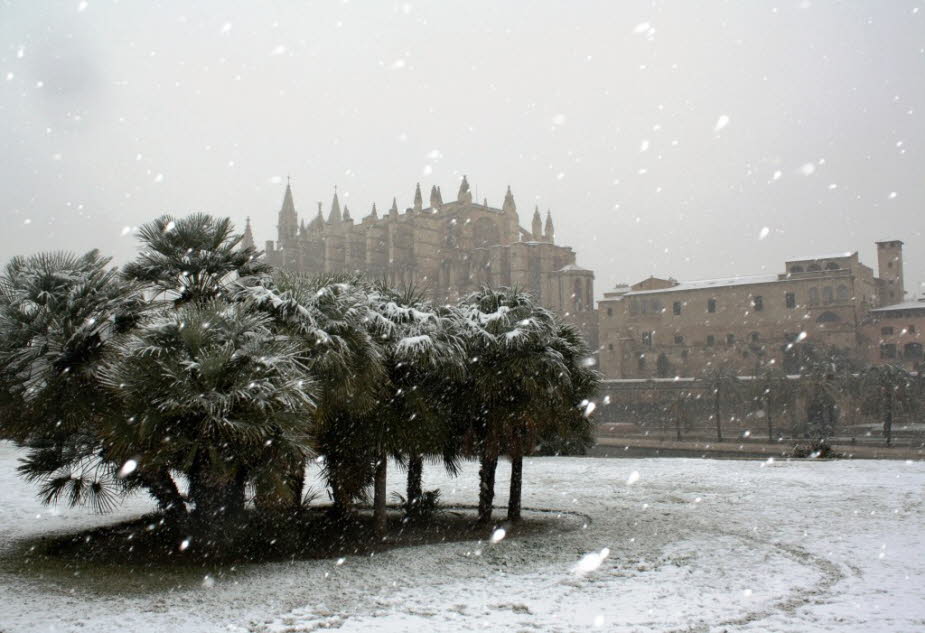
x=827, y=295
x=711, y=305
x=758, y=303
x=814, y=296
x=814, y=268
x=828, y=317
x=796, y=269
x=832, y=266
x=610, y=312
x=842, y=293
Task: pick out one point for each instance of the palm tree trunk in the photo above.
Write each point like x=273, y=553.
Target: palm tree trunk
x=677, y=420
x=487, y=467
x=379, y=515
x=297, y=483
x=767, y=412
x=164, y=489
x=415, y=490
x=517, y=477
x=716, y=412
x=340, y=499
x=888, y=418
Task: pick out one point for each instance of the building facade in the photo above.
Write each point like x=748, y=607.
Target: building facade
x=446, y=248
x=894, y=335
x=664, y=328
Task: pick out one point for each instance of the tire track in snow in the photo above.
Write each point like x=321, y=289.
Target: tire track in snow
x=830, y=572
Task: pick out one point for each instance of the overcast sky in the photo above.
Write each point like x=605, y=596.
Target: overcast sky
x=664, y=136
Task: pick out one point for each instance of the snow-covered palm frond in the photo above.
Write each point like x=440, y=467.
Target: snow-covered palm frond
x=215, y=374
x=193, y=258
x=59, y=314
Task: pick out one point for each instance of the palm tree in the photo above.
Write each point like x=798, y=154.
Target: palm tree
x=332, y=317
x=887, y=390
x=424, y=356
x=61, y=317
x=772, y=388
x=823, y=376
x=212, y=391
x=193, y=258
x=723, y=383
x=563, y=412
x=518, y=377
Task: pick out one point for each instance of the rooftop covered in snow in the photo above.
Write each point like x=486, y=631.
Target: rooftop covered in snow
x=711, y=283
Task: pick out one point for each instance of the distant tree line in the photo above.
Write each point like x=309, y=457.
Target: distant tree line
x=824, y=377
x=203, y=376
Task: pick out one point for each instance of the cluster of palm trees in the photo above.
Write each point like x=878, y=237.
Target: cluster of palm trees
x=203, y=376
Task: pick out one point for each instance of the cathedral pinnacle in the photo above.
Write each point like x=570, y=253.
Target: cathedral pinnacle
x=288, y=220
x=509, y=206
x=464, y=194
x=418, y=198
x=374, y=214
x=550, y=233
x=537, y=225
x=335, y=215
x=247, y=240
x=436, y=200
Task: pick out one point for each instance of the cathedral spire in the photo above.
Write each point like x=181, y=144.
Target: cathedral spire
x=464, y=194
x=436, y=200
x=347, y=217
x=334, y=215
x=288, y=220
x=537, y=225
x=247, y=240
x=418, y=198
x=394, y=210
x=509, y=206
x=374, y=214
x=550, y=233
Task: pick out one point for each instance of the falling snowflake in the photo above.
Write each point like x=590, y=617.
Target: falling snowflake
x=633, y=478
x=721, y=122
x=127, y=468
x=589, y=562
x=765, y=231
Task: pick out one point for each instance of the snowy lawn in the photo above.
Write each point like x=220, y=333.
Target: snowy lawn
x=694, y=545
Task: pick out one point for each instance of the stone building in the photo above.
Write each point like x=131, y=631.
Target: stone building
x=447, y=248
x=662, y=327
x=894, y=335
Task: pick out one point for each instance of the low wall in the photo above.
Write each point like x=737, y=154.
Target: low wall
x=650, y=408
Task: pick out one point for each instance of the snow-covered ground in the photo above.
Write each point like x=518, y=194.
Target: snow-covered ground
x=694, y=545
